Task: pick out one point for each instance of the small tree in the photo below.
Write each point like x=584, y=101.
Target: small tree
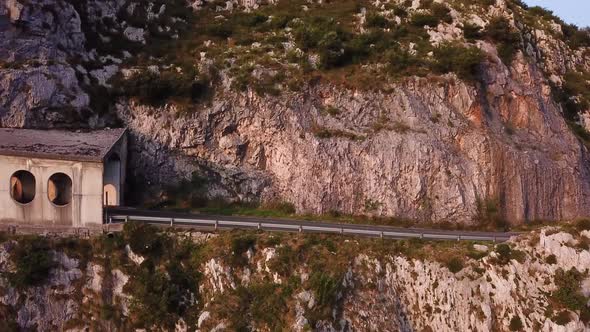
x=33, y=260
x=464, y=61
x=515, y=324
x=455, y=264
x=507, y=41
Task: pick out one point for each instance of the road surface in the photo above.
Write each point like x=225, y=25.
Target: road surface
x=115, y=215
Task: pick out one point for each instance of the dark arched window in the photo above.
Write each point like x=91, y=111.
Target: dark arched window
x=22, y=187
x=59, y=189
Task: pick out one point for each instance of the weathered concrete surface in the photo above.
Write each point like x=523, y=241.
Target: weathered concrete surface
x=82, y=157
x=86, y=204
x=60, y=144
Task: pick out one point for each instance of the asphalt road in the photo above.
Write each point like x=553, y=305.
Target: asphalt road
x=212, y=222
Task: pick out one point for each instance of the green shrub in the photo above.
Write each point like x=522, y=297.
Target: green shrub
x=144, y=239
x=221, y=30
x=562, y=318
x=284, y=260
x=315, y=31
x=515, y=324
x=568, y=292
x=424, y=19
x=327, y=38
x=576, y=37
x=3, y=236
x=472, y=31
x=267, y=303
x=240, y=244
x=401, y=62
x=376, y=20
x=507, y=41
x=464, y=61
x=280, y=21
x=543, y=13
x=397, y=10
x=281, y=207
x=260, y=303
x=325, y=288
x=161, y=297
x=441, y=12
x=156, y=89
x=455, y=264
x=504, y=253
x=551, y=259
x=165, y=286
x=33, y=261
x=583, y=225
x=576, y=85
x=250, y=19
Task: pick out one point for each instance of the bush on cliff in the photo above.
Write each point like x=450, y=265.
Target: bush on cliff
x=507, y=41
x=164, y=287
x=156, y=89
x=568, y=289
x=455, y=264
x=33, y=259
x=464, y=61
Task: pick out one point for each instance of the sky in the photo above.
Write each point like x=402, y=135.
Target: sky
x=571, y=11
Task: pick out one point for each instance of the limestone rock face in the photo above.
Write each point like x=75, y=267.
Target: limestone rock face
x=40, y=30
x=424, y=150
x=468, y=301
x=50, y=91
x=435, y=149
x=37, y=87
x=390, y=292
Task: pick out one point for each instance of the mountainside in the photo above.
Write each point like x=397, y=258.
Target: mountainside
x=234, y=281
x=436, y=111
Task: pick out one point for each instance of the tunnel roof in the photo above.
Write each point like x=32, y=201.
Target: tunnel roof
x=79, y=145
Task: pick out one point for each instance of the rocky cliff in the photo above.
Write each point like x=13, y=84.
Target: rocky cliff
x=433, y=111
x=244, y=281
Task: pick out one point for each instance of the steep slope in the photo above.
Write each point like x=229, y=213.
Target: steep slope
x=433, y=111
x=260, y=282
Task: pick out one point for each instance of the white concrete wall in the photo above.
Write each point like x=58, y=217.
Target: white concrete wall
x=85, y=207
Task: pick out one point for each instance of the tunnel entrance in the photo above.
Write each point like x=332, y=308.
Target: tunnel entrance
x=59, y=189
x=22, y=187
x=112, y=181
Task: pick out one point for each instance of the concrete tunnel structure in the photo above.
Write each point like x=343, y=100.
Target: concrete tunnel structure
x=60, y=178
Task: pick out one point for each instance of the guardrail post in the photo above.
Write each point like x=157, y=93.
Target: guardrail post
x=216, y=225
x=421, y=235
x=495, y=239
x=126, y=218
x=300, y=229
x=110, y=220
x=259, y=226
x=171, y=222
x=381, y=235
x=341, y=230
x=459, y=238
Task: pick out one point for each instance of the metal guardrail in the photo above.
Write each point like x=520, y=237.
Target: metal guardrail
x=294, y=226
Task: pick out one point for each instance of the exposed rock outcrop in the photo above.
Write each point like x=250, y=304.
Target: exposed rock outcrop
x=424, y=150
x=385, y=292
x=436, y=148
